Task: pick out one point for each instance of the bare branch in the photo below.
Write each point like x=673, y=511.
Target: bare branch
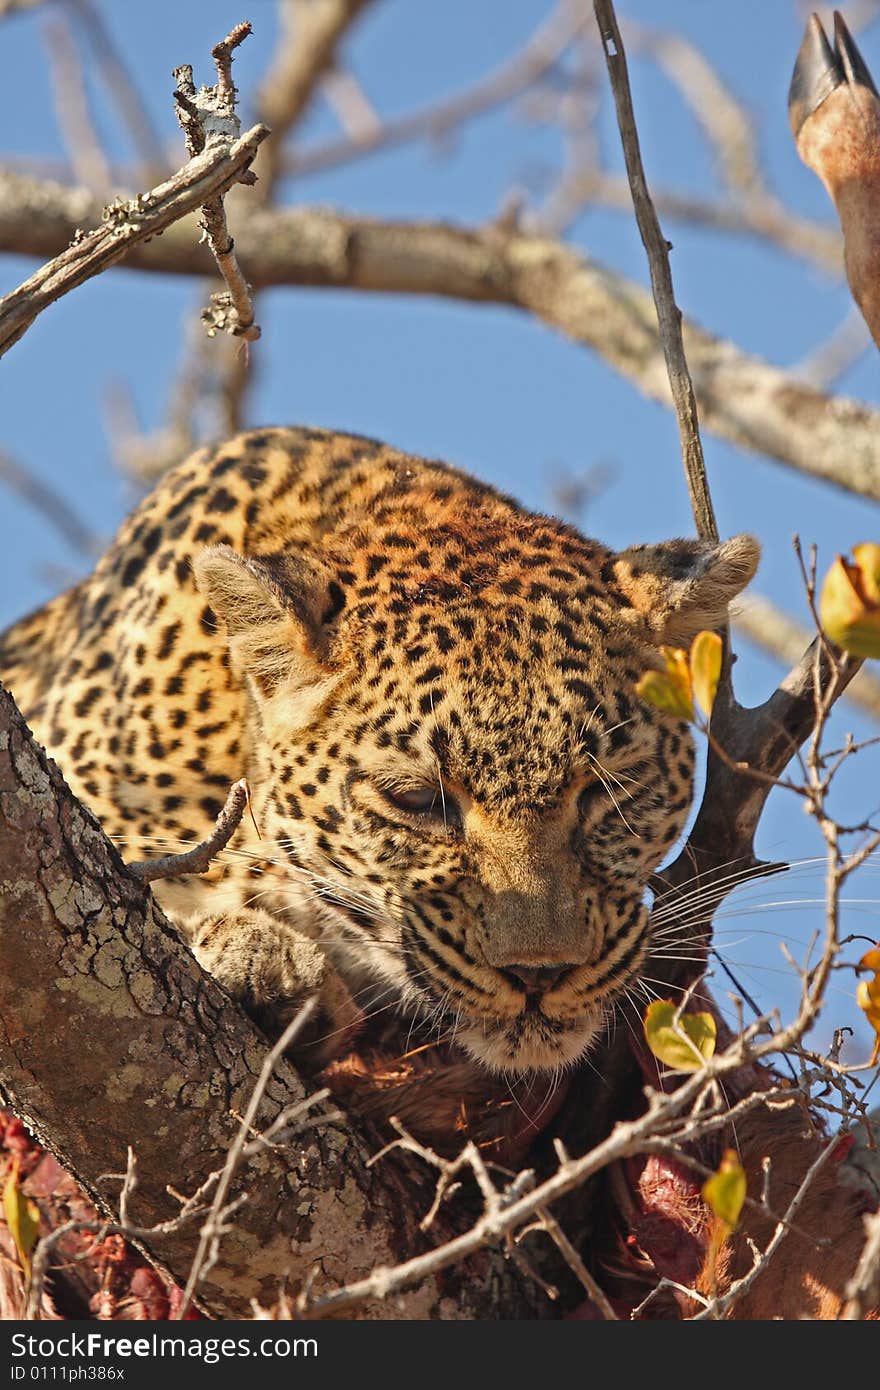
x=209, y=121
x=719, y=1306
x=52, y=506
x=723, y=118
x=593, y=1290
x=537, y=57
x=88, y=160
x=657, y=248
x=741, y=397
x=214, y=1227
x=768, y=627
x=763, y=217
x=826, y=363
x=862, y=1290
x=127, y=223
x=312, y=31
x=122, y=86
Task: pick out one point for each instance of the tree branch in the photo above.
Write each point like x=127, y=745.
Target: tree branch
x=51, y=505
x=127, y=224
x=145, y=1050
x=312, y=33
x=668, y=313
x=537, y=57
x=741, y=397
x=756, y=618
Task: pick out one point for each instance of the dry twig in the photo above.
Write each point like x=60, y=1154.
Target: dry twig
x=668, y=312
x=209, y=121
x=198, y=859
x=127, y=222
x=216, y=1222
x=51, y=505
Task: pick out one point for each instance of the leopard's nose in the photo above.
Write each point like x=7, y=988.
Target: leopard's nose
x=538, y=978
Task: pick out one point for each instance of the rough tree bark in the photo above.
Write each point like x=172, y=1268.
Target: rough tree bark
x=111, y=1035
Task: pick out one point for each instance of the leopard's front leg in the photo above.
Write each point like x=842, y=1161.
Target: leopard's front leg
x=271, y=969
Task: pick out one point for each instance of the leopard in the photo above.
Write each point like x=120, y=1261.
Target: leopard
x=457, y=796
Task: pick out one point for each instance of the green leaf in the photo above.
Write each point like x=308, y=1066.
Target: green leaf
x=683, y=1045
x=725, y=1191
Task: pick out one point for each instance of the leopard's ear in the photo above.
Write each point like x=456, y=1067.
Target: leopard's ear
x=677, y=588
x=278, y=611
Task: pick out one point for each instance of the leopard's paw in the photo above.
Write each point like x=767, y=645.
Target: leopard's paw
x=271, y=969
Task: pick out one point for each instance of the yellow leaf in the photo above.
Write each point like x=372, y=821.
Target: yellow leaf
x=868, y=998
x=22, y=1217
x=684, y=1045
x=849, y=604
x=707, y=650
x=725, y=1191
x=871, y=959
x=669, y=690
x=867, y=557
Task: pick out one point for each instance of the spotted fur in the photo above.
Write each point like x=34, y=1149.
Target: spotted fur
x=431, y=691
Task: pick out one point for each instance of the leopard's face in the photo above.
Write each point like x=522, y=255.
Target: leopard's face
x=476, y=798
x=431, y=691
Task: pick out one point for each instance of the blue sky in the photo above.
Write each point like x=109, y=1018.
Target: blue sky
x=481, y=386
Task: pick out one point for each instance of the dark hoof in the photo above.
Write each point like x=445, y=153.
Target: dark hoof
x=820, y=69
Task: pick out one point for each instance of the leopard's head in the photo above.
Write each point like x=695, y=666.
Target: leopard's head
x=452, y=755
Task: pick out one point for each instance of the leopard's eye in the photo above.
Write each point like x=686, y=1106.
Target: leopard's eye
x=426, y=801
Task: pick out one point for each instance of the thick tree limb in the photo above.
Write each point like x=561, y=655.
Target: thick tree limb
x=741, y=397
x=111, y=1035
x=763, y=739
